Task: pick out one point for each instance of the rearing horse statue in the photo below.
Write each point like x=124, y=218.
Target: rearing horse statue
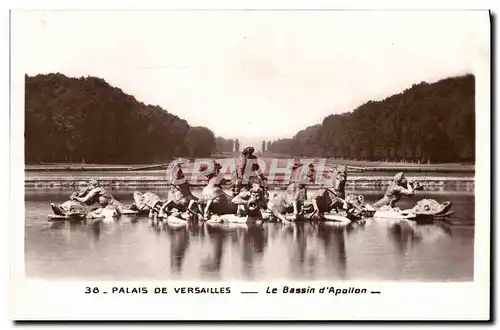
x=328, y=199
x=214, y=198
x=180, y=196
x=296, y=192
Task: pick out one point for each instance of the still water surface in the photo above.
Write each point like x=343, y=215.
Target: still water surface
x=130, y=249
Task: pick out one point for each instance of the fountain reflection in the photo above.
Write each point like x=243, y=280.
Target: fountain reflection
x=179, y=243
x=305, y=242
x=250, y=239
x=310, y=249
x=254, y=244
x=68, y=228
x=94, y=232
x=407, y=234
x=217, y=236
x=334, y=245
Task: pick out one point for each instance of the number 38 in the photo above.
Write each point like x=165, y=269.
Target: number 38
x=91, y=290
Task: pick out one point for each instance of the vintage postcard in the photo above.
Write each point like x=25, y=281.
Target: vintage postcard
x=250, y=165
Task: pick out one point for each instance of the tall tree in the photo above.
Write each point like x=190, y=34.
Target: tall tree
x=237, y=145
x=224, y=145
x=424, y=123
x=200, y=141
x=88, y=120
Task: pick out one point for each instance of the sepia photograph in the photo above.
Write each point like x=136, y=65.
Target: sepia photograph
x=252, y=146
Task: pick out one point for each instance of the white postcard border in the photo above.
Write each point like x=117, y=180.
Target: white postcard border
x=34, y=299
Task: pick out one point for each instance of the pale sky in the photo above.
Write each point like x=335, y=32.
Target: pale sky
x=247, y=74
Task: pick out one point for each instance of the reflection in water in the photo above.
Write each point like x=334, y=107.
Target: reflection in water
x=377, y=249
x=407, y=234
x=254, y=243
x=305, y=242
x=252, y=240
x=403, y=235
x=333, y=239
x=300, y=237
x=213, y=262
x=67, y=228
x=355, y=227
x=179, y=242
x=295, y=242
x=94, y=232
x=312, y=247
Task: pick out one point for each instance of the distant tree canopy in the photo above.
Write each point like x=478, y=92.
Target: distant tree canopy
x=425, y=123
x=237, y=145
x=87, y=120
x=200, y=141
x=224, y=145
x=283, y=146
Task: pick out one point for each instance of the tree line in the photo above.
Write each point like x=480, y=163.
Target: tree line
x=86, y=120
x=427, y=123
x=227, y=145
x=266, y=146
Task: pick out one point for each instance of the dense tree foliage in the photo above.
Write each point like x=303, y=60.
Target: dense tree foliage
x=200, y=141
x=87, y=120
x=237, y=145
x=224, y=145
x=425, y=123
x=283, y=146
